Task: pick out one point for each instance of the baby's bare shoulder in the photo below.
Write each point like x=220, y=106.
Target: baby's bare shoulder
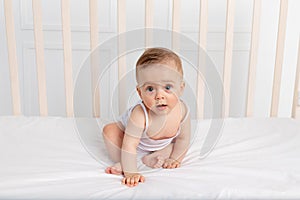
x=136, y=124
x=137, y=115
x=184, y=110
x=138, y=110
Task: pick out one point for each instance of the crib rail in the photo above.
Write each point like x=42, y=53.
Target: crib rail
x=253, y=57
x=40, y=60
x=149, y=13
x=228, y=54
x=296, y=106
x=94, y=39
x=279, y=57
x=67, y=45
x=202, y=37
x=149, y=21
x=12, y=57
x=122, y=48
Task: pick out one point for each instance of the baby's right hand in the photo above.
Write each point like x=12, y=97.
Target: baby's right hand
x=132, y=179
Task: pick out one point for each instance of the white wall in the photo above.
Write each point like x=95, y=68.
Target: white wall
x=135, y=20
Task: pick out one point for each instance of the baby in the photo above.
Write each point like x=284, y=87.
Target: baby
x=158, y=125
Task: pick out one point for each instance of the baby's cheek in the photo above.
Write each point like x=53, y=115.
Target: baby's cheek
x=175, y=97
x=148, y=103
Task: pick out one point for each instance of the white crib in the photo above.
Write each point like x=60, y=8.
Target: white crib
x=229, y=158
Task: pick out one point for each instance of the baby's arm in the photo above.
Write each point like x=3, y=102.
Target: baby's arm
x=131, y=140
x=181, y=145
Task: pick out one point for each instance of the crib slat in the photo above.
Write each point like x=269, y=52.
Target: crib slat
x=176, y=25
x=39, y=51
x=253, y=57
x=94, y=38
x=12, y=57
x=296, y=107
x=121, y=49
x=93, y=24
x=149, y=21
x=228, y=55
x=279, y=57
x=66, y=31
x=202, y=57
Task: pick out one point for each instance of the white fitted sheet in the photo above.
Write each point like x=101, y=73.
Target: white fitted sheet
x=46, y=158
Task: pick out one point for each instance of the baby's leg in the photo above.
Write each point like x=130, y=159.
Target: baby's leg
x=113, y=138
x=157, y=158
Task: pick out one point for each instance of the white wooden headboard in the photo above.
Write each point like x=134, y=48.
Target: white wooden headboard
x=149, y=23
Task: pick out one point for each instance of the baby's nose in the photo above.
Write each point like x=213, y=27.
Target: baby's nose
x=159, y=95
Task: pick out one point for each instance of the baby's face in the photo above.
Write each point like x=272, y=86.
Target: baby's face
x=160, y=87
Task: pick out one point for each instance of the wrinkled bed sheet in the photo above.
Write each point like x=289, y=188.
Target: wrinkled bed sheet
x=65, y=158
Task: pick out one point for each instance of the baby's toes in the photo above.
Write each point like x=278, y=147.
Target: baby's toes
x=160, y=162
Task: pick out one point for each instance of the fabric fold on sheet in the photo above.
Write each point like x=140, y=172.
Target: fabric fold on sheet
x=47, y=158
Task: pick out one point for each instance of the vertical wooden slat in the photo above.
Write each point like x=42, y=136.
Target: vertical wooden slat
x=12, y=57
x=39, y=51
x=122, y=49
x=66, y=31
x=296, y=107
x=203, y=28
x=94, y=38
x=176, y=25
x=253, y=56
x=228, y=55
x=149, y=21
x=279, y=57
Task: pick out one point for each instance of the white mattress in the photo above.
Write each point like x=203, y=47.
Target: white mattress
x=46, y=158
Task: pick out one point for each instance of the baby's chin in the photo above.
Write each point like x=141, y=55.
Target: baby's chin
x=160, y=110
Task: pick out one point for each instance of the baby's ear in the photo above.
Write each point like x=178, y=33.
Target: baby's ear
x=182, y=86
x=138, y=90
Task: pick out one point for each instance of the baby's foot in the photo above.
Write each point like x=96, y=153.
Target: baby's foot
x=115, y=169
x=153, y=161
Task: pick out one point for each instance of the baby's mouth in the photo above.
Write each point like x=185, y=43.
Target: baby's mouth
x=161, y=106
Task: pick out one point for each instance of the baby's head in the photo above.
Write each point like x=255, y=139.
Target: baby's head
x=159, y=76
x=159, y=56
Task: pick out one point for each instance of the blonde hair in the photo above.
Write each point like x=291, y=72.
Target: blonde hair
x=159, y=55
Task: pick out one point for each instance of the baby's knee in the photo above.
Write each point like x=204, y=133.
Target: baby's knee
x=112, y=130
x=107, y=130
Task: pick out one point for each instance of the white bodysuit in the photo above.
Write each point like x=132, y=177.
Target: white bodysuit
x=147, y=144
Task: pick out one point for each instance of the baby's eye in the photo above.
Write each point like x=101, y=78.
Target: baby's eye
x=168, y=87
x=149, y=88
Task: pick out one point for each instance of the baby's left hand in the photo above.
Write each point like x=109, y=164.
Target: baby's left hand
x=171, y=163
